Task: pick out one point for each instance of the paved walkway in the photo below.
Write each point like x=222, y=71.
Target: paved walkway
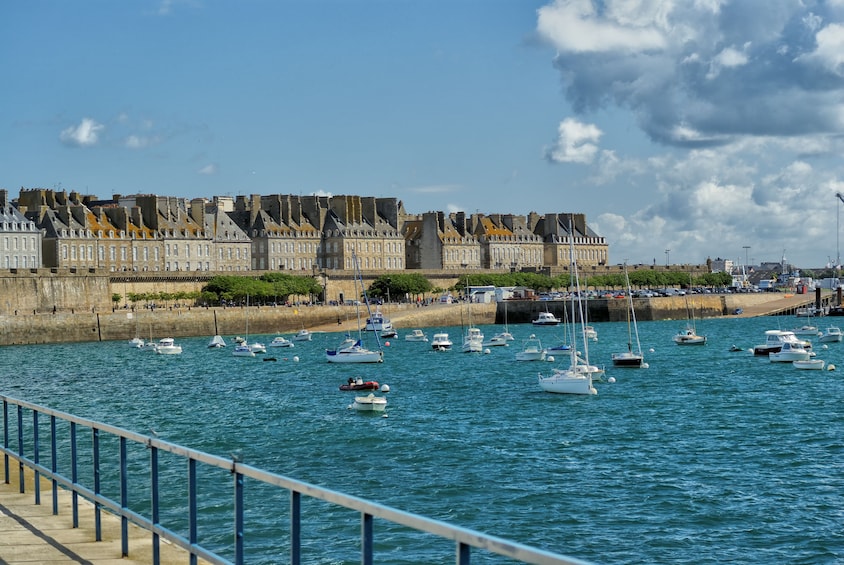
x=30, y=533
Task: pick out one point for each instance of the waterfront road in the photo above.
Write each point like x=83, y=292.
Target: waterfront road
x=30, y=533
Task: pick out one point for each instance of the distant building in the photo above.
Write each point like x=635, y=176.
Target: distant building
x=20, y=239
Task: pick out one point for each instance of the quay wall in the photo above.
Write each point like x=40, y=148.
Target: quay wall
x=124, y=324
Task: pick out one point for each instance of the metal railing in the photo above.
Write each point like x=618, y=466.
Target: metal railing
x=29, y=425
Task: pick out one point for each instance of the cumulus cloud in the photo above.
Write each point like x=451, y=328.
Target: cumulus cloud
x=702, y=73
x=84, y=134
x=576, y=142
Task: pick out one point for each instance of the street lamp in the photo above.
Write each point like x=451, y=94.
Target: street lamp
x=746, y=249
x=667, y=262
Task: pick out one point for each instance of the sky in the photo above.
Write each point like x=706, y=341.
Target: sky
x=683, y=129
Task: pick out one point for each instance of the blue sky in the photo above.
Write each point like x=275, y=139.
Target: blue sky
x=696, y=127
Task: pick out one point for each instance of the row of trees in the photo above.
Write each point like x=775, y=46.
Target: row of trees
x=279, y=287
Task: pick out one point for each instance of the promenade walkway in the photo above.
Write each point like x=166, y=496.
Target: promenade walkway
x=31, y=534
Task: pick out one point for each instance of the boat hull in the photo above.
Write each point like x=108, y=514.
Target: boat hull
x=811, y=364
x=627, y=360
x=361, y=356
x=567, y=382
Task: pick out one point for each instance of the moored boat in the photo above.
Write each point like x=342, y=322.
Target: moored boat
x=546, y=319
x=281, y=341
x=810, y=364
x=416, y=335
x=216, y=342
x=369, y=403
x=359, y=384
x=832, y=334
x=168, y=346
x=441, y=342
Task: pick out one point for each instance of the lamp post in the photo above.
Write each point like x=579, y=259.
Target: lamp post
x=746, y=249
x=667, y=256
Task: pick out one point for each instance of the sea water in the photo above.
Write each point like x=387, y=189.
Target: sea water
x=707, y=456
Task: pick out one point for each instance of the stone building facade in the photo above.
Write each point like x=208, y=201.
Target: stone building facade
x=20, y=239
x=302, y=234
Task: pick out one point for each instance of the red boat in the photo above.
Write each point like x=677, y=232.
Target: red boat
x=359, y=384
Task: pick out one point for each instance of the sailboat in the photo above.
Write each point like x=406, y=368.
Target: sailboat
x=688, y=336
x=473, y=340
x=501, y=338
x=356, y=352
x=630, y=358
x=244, y=348
x=572, y=380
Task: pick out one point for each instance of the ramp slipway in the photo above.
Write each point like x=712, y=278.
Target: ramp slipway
x=785, y=305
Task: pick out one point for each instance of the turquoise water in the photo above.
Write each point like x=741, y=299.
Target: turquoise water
x=707, y=456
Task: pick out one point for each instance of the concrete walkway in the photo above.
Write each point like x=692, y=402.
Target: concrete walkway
x=30, y=533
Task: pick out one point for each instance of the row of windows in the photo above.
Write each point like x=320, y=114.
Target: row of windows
x=392, y=263
x=363, y=247
x=14, y=243
x=19, y=262
x=530, y=255
x=15, y=226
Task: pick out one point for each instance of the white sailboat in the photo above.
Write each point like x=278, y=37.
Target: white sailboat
x=689, y=336
x=572, y=380
x=244, y=348
x=356, y=352
x=630, y=358
x=501, y=338
x=473, y=339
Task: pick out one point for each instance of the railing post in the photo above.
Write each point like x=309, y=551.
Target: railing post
x=295, y=527
x=54, y=465
x=6, y=440
x=35, y=448
x=192, y=524
x=124, y=499
x=366, y=528
x=98, y=525
x=153, y=468
x=20, y=449
x=463, y=554
x=74, y=475
x=238, y=515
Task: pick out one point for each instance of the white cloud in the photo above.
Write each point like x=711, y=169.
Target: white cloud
x=830, y=50
x=209, y=169
x=436, y=188
x=576, y=142
x=86, y=134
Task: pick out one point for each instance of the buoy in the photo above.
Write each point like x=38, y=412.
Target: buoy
x=550, y=358
x=830, y=367
x=611, y=380
x=384, y=415
x=825, y=346
x=651, y=350
x=387, y=343
x=385, y=388
x=645, y=365
x=295, y=358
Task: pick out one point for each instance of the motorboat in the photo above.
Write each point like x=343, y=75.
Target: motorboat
x=136, y=342
x=441, y=342
x=546, y=319
x=531, y=350
x=498, y=340
x=806, y=330
x=474, y=341
x=590, y=332
x=831, y=334
x=774, y=340
x=354, y=354
x=789, y=352
x=243, y=350
x=216, y=342
x=369, y=403
x=281, y=341
x=810, y=364
x=389, y=333
x=302, y=335
x=688, y=336
x=168, y=346
x=359, y=384
x=416, y=335
x=257, y=347
x=377, y=322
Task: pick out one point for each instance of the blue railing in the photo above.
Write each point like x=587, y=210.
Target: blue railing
x=29, y=426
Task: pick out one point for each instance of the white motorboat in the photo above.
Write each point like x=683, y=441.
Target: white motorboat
x=369, y=403
x=243, y=350
x=257, y=347
x=377, y=322
x=774, y=340
x=832, y=334
x=441, y=342
x=531, y=350
x=216, y=342
x=281, y=341
x=789, y=352
x=810, y=364
x=302, y=335
x=136, y=342
x=168, y=346
x=590, y=332
x=416, y=335
x=474, y=341
x=546, y=319
x=498, y=340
